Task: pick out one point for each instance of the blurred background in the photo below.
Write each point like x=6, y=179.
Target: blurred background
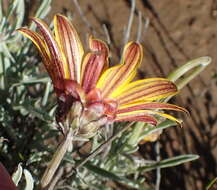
x=178, y=32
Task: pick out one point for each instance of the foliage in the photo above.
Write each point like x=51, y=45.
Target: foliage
x=25, y=110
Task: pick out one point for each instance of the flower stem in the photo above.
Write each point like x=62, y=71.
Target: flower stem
x=56, y=160
x=102, y=146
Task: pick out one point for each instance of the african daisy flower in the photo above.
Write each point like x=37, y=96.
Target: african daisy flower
x=90, y=94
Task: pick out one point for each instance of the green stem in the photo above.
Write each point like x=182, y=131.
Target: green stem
x=136, y=133
x=56, y=160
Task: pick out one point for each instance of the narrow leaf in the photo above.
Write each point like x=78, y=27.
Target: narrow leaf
x=195, y=66
x=165, y=124
x=170, y=162
x=109, y=175
x=29, y=180
x=17, y=174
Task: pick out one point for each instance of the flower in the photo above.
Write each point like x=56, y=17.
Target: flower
x=90, y=94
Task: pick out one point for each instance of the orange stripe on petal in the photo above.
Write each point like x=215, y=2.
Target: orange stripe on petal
x=43, y=50
x=37, y=40
x=51, y=44
x=167, y=116
x=94, y=64
x=150, y=105
x=142, y=82
x=136, y=116
x=146, y=91
x=70, y=45
x=97, y=45
x=116, y=77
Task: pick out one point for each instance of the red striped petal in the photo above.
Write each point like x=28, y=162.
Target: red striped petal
x=44, y=52
x=97, y=45
x=52, y=45
x=94, y=63
x=147, y=91
x=116, y=77
x=164, y=115
x=150, y=105
x=136, y=116
x=70, y=45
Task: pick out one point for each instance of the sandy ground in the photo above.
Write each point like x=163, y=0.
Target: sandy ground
x=179, y=30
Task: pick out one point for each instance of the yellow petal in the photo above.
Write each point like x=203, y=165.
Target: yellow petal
x=70, y=46
x=146, y=90
x=140, y=115
x=118, y=76
x=149, y=106
x=43, y=50
x=55, y=55
x=167, y=116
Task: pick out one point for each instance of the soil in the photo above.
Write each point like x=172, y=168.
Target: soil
x=179, y=30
